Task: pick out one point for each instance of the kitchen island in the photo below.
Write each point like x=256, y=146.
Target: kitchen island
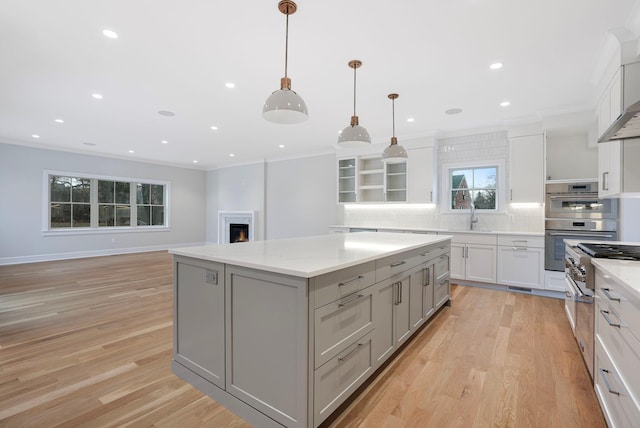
x=282, y=332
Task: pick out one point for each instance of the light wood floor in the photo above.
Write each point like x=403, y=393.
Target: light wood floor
x=88, y=343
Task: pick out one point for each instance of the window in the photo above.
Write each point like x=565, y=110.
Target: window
x=477, y=186
x=83, y=202
x=70, y=201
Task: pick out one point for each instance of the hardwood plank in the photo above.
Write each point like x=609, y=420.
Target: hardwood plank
x=89, y=343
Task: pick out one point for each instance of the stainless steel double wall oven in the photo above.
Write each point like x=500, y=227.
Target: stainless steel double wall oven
x=574, y=211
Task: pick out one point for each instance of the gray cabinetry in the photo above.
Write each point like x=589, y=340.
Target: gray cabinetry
x=199, y=301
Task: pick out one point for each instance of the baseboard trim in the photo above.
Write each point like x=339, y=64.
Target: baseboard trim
x=4, y=261
x=510, y=288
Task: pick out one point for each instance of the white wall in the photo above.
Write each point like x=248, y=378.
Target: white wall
x=301, y=197
x=238, y=188
x=21, y=238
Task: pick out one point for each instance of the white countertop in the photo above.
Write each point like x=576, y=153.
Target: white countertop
x=311, y=256
x=421, y=229
x=624, y=271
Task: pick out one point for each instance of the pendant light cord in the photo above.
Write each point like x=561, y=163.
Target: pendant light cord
x=393, y=115
x=286, y=46
x=354, y=91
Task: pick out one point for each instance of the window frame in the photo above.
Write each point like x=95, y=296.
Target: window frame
x=499, y=164
x=94, y=228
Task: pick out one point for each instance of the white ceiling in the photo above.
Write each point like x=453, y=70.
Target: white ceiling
x=178, y=55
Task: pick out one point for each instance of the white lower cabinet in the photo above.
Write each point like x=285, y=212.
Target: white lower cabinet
x=617, y=351
x=521, y=261
x=473, y=257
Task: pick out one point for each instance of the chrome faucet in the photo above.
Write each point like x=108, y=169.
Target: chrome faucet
x=473, y=219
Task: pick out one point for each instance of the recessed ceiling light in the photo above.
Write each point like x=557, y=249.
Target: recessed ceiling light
x=410, y=119
x=281, y=146
x=110, y=34
x=195, y=161
x=231, y=155
x=166, y=113
x=230, y=85
x=97, y=96
x=89, y=144
x=165, y=142
x=505, y=104
x=131, y=151
x=215, y=128
x=453, y=111
x=59, y=121
x=496, y=66
x=35, y=135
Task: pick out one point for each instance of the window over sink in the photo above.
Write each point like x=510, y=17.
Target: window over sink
x=473, y=186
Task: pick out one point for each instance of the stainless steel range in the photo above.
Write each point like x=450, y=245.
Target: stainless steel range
x=580, y=286
x=574, y=211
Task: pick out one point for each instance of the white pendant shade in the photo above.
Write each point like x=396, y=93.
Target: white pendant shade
x=354, y=136
x=285, y=106
x=394, y=154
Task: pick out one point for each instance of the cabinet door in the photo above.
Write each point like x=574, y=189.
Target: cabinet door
x=395, y=181
x=401, y=313
x=610, y=168
x=521, y=267
x=441, y=282
x=382, y=343
x=604, y=112
x=421, y=175
x=199, y=302
x=481, y=263
x=427, y=291
x=267, y=342
x=419, y=279
x=457, y=261
x=526, y=157
x=347, y=180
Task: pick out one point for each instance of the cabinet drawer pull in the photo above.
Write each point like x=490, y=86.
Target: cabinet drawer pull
x=519, y=248
x=425, y=254
x=605, y=314
x=351, y=300
x=604, y=373
x=606, y=292
x=398, y=264
x=344, y=357
x=359, y=277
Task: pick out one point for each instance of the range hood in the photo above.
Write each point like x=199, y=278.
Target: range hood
x=627, y=125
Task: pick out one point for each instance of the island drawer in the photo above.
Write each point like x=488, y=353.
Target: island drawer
x=521, y=241
x=620, y=300
x=620, y=344
x=432, y=252
x=616, y=402
x=336, y=380
x=333, y=286
x=339, y=323
x=398, y=263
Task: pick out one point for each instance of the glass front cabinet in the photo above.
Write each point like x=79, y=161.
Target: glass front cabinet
x=347, y=180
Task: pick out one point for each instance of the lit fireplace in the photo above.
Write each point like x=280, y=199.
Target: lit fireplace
x=238, y=232
x=236, y=226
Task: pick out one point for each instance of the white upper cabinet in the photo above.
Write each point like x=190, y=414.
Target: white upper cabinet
x=610, y=105
x=618, y=167
x=347, y=180
x=421, y=173
x=526, y=168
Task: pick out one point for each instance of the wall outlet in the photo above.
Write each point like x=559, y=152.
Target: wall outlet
x=212, y=277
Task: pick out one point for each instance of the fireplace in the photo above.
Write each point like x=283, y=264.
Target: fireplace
x=235, y=226
x=238, y=232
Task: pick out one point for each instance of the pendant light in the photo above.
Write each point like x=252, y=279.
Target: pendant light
x=394, y=153
x=284, y=105
x=354, y=135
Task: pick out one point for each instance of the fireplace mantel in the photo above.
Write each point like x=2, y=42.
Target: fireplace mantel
x=225, y=218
